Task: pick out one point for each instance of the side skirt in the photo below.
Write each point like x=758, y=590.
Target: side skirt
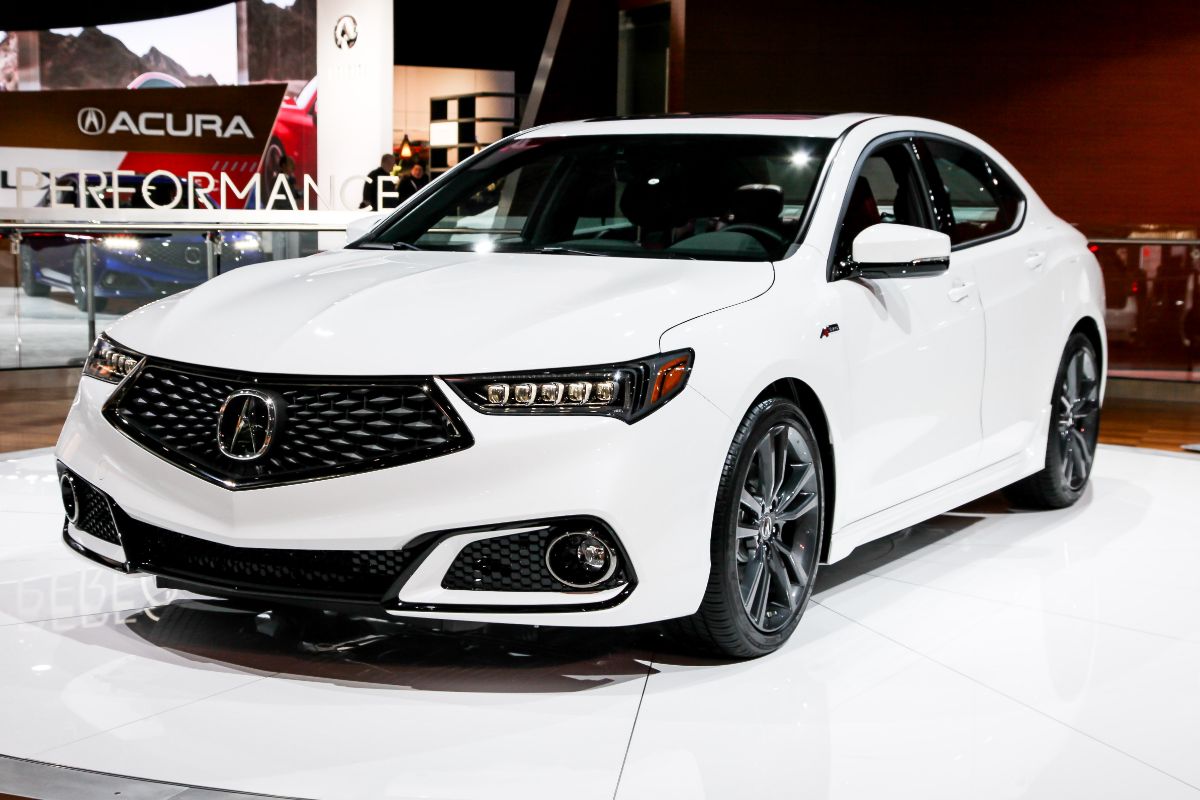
x=933, y=503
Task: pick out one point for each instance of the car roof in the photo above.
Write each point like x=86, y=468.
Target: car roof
x=817, y=125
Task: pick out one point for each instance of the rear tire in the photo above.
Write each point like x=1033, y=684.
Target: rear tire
x=766, y=536
x=1074, y=429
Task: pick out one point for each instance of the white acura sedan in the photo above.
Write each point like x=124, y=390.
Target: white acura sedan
x=603, y=373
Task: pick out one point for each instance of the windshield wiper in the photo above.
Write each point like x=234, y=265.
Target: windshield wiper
x=386, y=246
x=568, y=250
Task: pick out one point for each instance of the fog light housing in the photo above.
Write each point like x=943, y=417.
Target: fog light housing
x=66, y=486
x=580, y=559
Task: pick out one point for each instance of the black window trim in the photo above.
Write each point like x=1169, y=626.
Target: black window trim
x=912, y=138
x=1018, y=223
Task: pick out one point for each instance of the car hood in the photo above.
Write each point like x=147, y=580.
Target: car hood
x=364, y=312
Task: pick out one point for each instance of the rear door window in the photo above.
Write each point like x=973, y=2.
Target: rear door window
x=983, y=202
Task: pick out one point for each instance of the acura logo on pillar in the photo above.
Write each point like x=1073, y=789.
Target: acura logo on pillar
x=345, y=32
x=91, y=121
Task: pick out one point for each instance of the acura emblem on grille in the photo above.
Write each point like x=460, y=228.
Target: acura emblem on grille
x=247, y=423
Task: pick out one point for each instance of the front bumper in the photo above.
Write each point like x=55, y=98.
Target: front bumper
x=652, y=483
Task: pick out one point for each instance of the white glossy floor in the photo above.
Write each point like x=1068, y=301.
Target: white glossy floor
x=986, y=654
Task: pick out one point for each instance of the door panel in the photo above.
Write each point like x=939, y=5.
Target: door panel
x=914, y=349
x=1022, y=314
x=1012, y=263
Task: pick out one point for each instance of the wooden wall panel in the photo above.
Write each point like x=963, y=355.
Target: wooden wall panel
x=1097, y=104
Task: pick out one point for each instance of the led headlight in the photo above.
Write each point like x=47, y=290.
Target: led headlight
x=626, y=391
x=122, y=243
x=110, y=362
x=247, y=243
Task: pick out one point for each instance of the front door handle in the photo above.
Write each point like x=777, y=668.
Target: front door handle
x=959, y=291
x=1035, y=258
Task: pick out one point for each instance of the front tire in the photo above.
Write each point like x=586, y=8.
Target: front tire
x=29, y=283
x=79, y=283
x=1074, y=430
x=766, y=535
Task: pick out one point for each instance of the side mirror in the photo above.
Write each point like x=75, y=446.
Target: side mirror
x=360, y=227
x=888, y=250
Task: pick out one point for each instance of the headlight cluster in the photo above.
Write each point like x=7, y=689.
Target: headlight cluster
x=627, y=391
x=109, y=361
x=122, y=243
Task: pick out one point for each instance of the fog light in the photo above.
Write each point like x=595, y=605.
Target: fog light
x=580, y=560
x=66, y=485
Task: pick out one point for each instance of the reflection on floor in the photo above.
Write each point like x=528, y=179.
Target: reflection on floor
x=33, y=405
x=983, y=654
x=1150, y=423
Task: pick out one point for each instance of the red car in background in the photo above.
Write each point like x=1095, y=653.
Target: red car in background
x=295, y=133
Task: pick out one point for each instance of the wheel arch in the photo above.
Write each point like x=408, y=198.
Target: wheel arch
x=1089, y=328
x=804, y=396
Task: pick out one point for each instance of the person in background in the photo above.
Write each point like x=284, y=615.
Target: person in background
x=286, y=168
x=413, y=182
x=370, y=196
x=1189, y=318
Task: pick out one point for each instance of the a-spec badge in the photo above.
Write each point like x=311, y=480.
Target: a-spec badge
x=828, y=329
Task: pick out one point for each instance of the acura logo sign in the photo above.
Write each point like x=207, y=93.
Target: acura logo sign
x=345, y=32
x=91, y=121
x=248, y=422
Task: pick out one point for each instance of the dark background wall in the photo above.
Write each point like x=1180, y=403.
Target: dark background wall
x=1097, y=104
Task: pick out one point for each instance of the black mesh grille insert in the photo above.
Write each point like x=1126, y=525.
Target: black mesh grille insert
x=329, y=426
x=353, y=575
x=94, y=514
x=513, y=563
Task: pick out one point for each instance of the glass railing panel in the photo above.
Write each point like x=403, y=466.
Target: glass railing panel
x=1152, y=308
x=60, y=287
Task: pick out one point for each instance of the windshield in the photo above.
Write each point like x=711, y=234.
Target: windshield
x=685, y=196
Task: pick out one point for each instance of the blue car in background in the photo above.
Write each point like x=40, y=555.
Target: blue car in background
x=142, y=266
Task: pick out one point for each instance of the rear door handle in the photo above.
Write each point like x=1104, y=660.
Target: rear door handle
x=959, y=291
x=1035, y=258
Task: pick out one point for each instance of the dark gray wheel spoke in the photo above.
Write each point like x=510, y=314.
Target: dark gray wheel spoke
x=799, y=479
x=765, y=453
x=798, y=575
x=781, y=444
x=781, y=582
x=751, y=503
x=803, y=504
x=747, y=531
x=1083, y=454
x=752, y=578
x=761, y=598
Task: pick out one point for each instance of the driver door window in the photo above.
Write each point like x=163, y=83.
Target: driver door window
x=886, y=189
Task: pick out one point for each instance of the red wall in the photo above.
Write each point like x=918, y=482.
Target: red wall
x=1097, y=105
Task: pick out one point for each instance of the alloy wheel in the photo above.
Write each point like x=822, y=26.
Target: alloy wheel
x=1078, y=413
x=778, y=528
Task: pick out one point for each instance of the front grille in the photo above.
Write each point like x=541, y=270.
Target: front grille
x=95, y=517
x=514, y=563
x=185, y=254
x=350, y=575
x=329, y=426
